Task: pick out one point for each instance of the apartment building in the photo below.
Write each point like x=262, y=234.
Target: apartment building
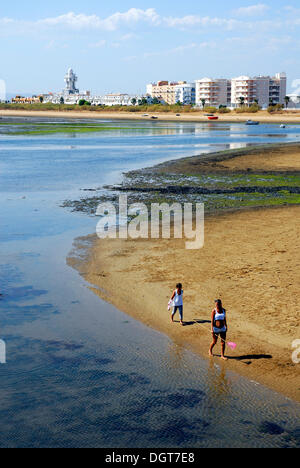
x=213, y=92
x=185, y=93
x=260, y=89
x=25, y=100
x=164, y=91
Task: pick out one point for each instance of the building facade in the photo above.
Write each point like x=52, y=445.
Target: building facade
x=186, y=94
x=212, y=92
x=26, y=100
x=119, y=99
x=263, y=90
x=278, y=88
x=164, y=91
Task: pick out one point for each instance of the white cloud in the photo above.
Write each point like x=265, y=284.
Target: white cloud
x=77, y=22
x=70, y=22
x=111, y=23
x=177, y=50
x=195, y=20
x=99, y=44
x=129, y=19
x=252, y=10
x=129, y=36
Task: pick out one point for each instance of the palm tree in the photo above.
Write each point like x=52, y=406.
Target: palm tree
x=242, y=101
x=287, y=100
x=203, y=102
x=133, y=101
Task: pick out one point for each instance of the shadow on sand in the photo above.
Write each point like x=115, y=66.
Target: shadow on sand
x=251, y=357
x=195, y=322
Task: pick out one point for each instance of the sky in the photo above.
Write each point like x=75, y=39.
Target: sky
x=120, y=46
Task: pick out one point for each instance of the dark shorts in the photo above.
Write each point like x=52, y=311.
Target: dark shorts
x=223, y=335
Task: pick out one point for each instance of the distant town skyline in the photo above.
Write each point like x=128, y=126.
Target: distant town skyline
x=121, y=46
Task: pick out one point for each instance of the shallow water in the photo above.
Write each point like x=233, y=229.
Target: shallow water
x=79, y=372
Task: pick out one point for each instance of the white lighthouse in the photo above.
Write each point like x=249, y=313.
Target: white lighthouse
x=70, y=80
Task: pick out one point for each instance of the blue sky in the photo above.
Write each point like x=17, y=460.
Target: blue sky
x=120, y=45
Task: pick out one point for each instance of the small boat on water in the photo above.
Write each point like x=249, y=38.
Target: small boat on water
x=213, y=117
x=252, y=122
x=282, y=126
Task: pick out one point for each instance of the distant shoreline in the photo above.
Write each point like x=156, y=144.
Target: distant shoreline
x=262, y=116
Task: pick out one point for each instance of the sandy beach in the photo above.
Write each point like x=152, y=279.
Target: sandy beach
x=271, y=159
x=250, y=260
x=262, y=116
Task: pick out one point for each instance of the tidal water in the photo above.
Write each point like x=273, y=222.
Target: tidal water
x=80, y=373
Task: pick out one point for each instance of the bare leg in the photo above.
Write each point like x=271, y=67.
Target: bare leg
x=223, y=350
x=215, y=340
x=173, y=314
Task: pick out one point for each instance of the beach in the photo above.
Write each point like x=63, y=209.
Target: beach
x=262, y=116
x=250, y=260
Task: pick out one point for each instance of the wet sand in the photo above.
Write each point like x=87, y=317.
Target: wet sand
x=262, y=116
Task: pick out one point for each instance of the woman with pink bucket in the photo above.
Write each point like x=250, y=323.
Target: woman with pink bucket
x=219, y=328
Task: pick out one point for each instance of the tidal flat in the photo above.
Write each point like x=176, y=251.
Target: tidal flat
x=205, y=179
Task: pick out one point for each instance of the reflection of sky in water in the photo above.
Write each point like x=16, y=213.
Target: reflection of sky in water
x=79, y=372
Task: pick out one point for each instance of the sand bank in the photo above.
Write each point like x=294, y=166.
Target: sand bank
x=250, y=260
x=275, y=158
x=263, y=116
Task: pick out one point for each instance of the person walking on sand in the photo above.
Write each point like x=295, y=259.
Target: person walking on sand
x=219, y=328
x=177, y=298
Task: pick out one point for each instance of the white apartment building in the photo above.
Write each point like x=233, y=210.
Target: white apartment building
x=118, y=99
x=113, y=99
x=260, y=89
x=70, y=99
x=213, y=91
x=185, y=93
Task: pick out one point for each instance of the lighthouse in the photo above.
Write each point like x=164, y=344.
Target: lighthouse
x=70, y=80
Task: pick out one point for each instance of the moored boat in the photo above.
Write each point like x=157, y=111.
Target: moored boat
x=252, y=122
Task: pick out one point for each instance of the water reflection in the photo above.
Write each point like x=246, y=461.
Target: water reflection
x=218, y=383
x=175, y=355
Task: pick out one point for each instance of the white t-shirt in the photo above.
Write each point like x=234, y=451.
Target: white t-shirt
x=178, y=300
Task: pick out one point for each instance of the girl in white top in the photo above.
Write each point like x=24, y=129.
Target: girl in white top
x=177, y=299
